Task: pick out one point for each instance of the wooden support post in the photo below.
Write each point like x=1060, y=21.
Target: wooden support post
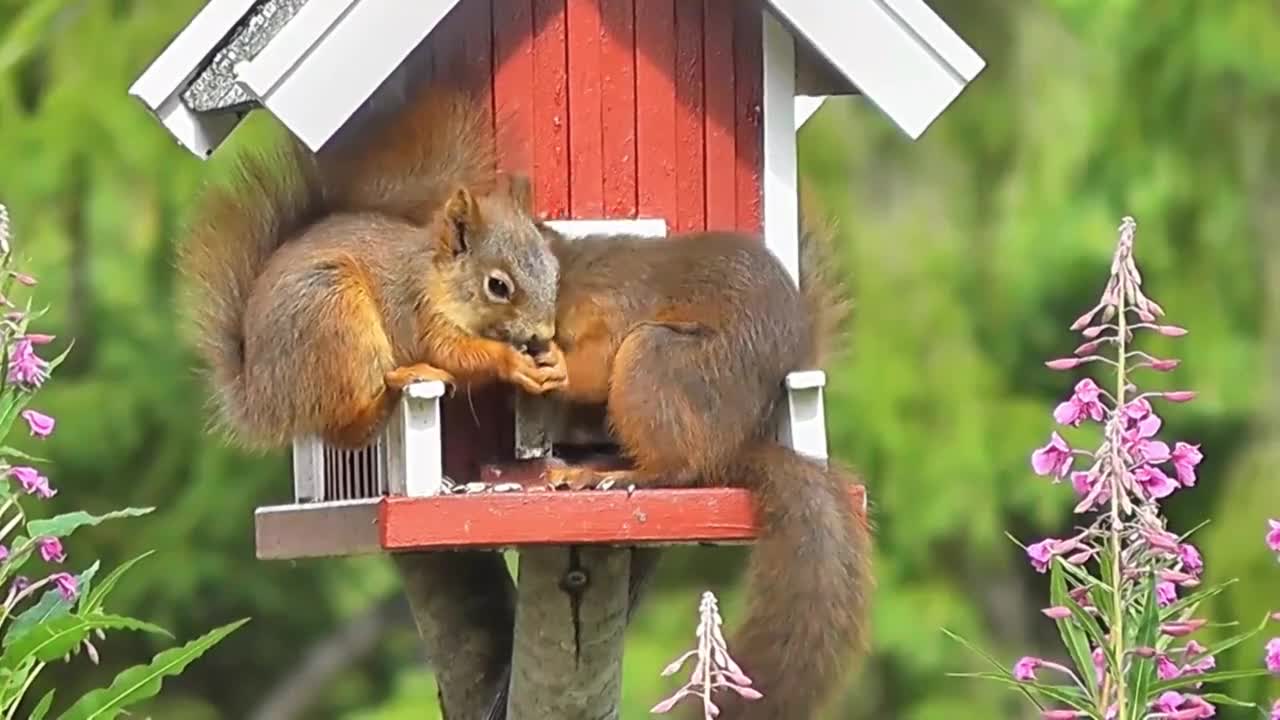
x=570, y=617
x=463, y=604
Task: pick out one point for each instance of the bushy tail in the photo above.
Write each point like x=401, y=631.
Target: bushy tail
x=405, y=165
x=809, y=583
x=824, y=292
x=272, y=197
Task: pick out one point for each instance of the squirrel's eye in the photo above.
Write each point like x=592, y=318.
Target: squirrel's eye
x=499, y=288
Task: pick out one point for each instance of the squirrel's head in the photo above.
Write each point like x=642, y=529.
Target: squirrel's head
x=500, y=274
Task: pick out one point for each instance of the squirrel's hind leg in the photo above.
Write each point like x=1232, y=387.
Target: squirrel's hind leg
x=668, y=414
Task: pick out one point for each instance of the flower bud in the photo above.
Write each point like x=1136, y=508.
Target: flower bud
x=1179, y=396
x=1164, y=365
x=1063, y=363
x=1171, y=330
x=1057, y=612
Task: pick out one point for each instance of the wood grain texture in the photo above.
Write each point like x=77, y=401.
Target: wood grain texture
x=571, y=613
x=656, y=109
x=551, y=116
x=748, y=52
x=618, y=107
x=586, y=138
x=514, y=107
x=476, y=25
x=720, y=515
x=690, y=118
x=721, y=117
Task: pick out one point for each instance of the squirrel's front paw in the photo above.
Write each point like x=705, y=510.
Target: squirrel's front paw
x=404, y=376
x=538, y=375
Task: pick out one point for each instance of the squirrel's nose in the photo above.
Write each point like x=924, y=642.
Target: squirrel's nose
x=537, y=345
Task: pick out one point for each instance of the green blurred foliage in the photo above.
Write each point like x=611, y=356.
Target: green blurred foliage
x=968, y=252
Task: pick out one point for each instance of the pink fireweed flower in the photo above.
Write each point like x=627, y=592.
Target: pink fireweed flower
x=41, y=425
x=4, y=553
x=66, y=585
x=1041, y=554
x=1176, y=706
x=1185, y=459
x=1083, y=403
x=1025, y=669
x=1062, y=714
x=38, y=338
x=1275, y=711
x=33, y=483
x=1052, y=459
x=1099, y=664
x=1182, y=628
x=1202, y=664
x=1192, y=563
x=25, y=367
x=1153, y=483
x=1273, y=655
x=1166, y=669
x=1273, y=536
x=1057, y=612
x=51, y=549
x=1166, y=593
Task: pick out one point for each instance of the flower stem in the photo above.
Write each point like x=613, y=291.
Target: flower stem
x=17, y=700
x=1118, y=470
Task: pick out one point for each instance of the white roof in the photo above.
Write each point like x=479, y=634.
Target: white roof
x=332, y=54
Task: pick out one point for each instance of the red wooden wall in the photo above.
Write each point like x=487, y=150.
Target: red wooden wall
x=617, y=109
x=622, y=108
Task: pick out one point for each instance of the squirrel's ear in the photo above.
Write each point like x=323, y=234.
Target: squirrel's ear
x=460, y=214
x=517, y=187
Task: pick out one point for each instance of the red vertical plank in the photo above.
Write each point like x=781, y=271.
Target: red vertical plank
x=656, y=109
x=586, y=151
x=721, y=118
x=749, y=77
x=477, y=28
x=551, y=119
x=690, y=118
x=513, y=100
x=618, y=106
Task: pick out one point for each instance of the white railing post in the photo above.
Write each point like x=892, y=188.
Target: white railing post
x=415, y=454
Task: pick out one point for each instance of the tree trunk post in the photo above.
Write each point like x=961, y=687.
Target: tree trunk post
x=571, y=614
x=463, y=606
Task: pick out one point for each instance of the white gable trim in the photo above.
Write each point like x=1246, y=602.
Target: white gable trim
x=779, y=201
x=164, y=80
x=331, y=57
x=898, y=53
x=806, y=106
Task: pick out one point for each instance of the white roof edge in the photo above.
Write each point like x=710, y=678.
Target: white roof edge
x=901, y=56
x=332, y=56
x=160, y=84
x=935, y=31
x=806, y=106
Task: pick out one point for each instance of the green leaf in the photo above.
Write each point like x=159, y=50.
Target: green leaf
x=1004, y=672
x=144, y=681
x=1070, y=628
x=1213, y=677
x=50, y=605
x=1142, y=671
x=57, y=637
x=54, y=363
x=1192, y=600
x=1064, y=695
x=67, y=523
x=42, y=708
x=90, y=601
x=1220, y=699
x=15, y=453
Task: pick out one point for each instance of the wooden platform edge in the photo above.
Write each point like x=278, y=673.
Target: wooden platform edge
x=592, y=517
x=504, y=520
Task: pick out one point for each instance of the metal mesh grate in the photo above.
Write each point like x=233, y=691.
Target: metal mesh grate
x=353, y=474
